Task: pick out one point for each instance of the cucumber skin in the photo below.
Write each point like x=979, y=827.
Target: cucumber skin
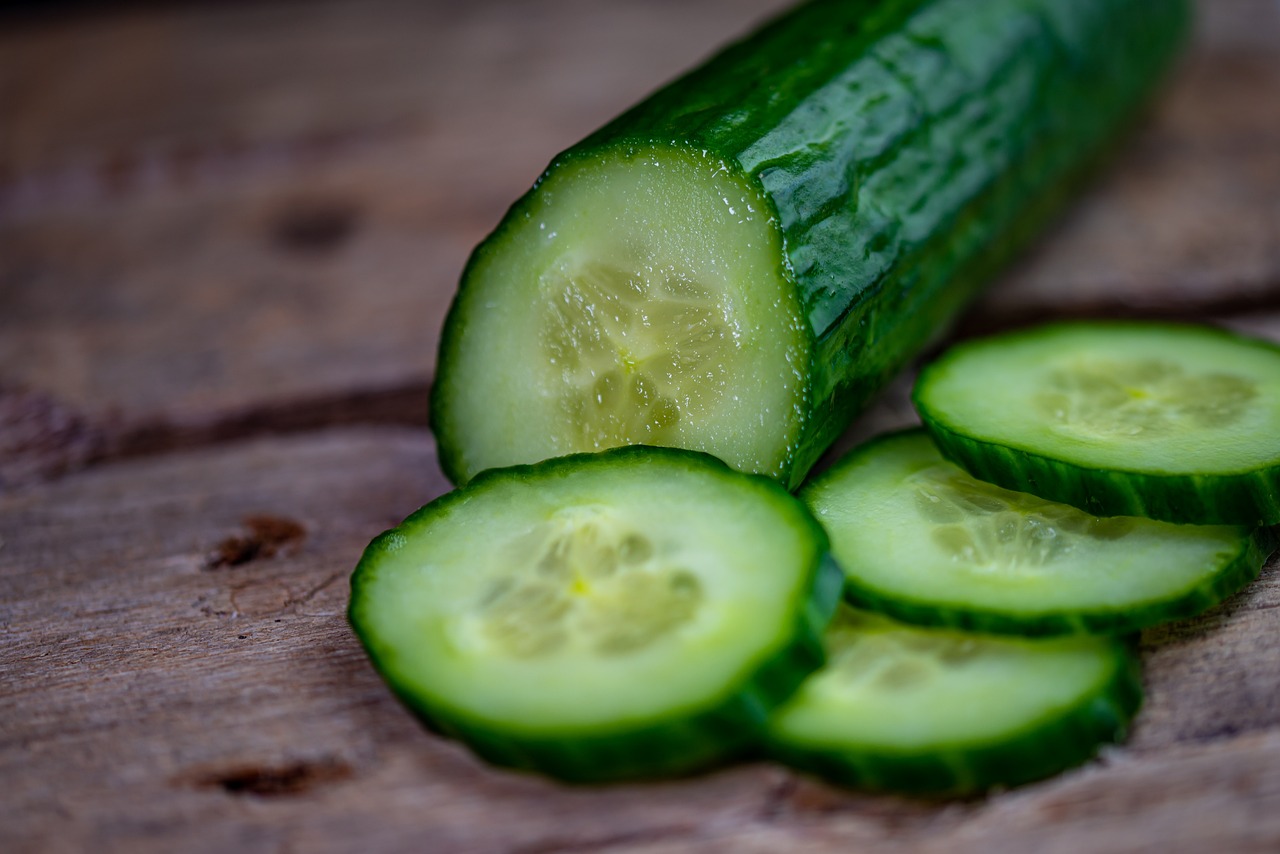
x=1243, y=568
x=1243, y=498
x=1041, y=749
x=899, y=182
x=1249, y=498
x=658, y=749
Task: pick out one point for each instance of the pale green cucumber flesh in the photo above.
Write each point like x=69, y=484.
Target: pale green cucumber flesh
x=939, y=712
x=624, y=305
x=1173, y=422
x=923, y=541
x=635, y=613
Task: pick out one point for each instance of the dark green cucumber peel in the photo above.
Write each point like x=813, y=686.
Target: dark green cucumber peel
x=1058, y=739
x=1233, y=498
x=1240, y=572
x=684, y=740
x=1231, y=572
x=905, y=149
x=1248, y=497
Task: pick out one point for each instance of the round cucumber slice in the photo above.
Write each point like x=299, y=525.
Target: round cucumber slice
x=1179, y=423
x=635, y=613
x=923, y=541
x=622, y=308
x=939, y=712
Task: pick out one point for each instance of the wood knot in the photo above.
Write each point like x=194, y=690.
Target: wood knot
x=267, y=537
x=293, y=778
x=314, y=227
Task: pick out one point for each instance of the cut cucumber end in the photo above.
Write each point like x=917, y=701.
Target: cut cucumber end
x=634, y=613
x=938, y=712
x=1172, y=422
x=635, y=296
x=923, y=541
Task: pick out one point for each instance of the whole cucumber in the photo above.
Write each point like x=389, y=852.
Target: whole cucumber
x=739, y=262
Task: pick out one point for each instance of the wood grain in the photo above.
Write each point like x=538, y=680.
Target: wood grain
x=157, y=696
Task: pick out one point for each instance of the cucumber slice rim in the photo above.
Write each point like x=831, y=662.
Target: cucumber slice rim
x=942, y=609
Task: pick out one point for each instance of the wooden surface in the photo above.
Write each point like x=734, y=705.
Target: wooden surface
x=227, y=236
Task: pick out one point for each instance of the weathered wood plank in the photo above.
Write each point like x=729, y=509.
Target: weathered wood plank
x=193, y=248
x=164, y=688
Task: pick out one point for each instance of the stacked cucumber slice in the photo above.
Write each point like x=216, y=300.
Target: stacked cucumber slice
x=646, y=611
x=1164, y=416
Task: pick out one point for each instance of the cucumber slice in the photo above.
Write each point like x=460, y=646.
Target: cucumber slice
x=938, y=712
x=636, y=613
x=1180, y=423
x=737, y=264
x=922, y=541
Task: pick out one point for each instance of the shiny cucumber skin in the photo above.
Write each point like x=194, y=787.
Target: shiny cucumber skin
x=679, y=741
x=907, y=149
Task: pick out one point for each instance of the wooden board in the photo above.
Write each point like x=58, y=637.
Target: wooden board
x=220, y=221
x=158, y=697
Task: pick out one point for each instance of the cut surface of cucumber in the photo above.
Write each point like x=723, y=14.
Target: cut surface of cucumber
x=1172, y=422
x=737, y=264
x=629, y=614
x=923, y=541
x=649, y=285
x=939, y=712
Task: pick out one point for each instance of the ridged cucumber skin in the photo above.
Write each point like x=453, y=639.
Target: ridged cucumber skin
x=1238, y=572
x=684, y=743
x=1250, y=498
x=1058, y=741
x=1241, y=498
x=1256, y=547
x=907, y=148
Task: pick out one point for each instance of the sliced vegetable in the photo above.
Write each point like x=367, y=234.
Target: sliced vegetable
x=922, y=541
x=1172, y=422
x=939, y=712
x=636, y=613
x=737, y=264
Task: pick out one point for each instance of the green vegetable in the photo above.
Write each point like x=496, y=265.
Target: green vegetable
x=635, y=613
x=1180, y=423
x=939, y=712
x=737, y=264
x=924, y=542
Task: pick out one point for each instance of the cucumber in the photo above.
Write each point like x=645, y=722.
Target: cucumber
x=635, y=613
x=1172, y=422
x=939, y=712
x=922, y=541
x=738, y=263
